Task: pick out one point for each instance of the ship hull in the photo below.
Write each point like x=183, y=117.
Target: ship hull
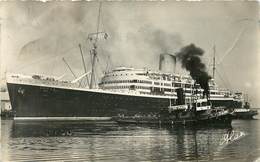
x=245, y=115
x=38, y=101
x=44, y=101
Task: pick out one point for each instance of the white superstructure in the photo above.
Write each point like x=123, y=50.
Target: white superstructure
x=131, y=81
x=150, y=82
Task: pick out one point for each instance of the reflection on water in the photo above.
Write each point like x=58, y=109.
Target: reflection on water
x=108, y=141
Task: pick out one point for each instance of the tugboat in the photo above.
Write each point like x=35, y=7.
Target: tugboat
x=245, y=112
x=199, y=113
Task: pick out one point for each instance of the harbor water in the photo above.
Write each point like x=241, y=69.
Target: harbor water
x=107, y=141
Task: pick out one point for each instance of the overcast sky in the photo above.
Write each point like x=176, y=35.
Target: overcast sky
x=35, y=36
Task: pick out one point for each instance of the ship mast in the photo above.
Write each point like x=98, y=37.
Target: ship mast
x=214, y=61
x=94, y=55
x=93, y=51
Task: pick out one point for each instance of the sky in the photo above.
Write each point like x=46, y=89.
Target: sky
x=35, y=36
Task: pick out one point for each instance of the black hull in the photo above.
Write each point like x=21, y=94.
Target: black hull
x=42, y=101
x=245, y=115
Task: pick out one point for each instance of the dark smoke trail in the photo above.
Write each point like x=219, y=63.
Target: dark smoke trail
x=190, y=60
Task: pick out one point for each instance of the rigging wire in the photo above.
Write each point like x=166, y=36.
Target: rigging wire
x=104, y=69
x=69, y=68
x=226, y=84
x=55, y=59
x=225, y=76
x=232, y=46
x=100, y=69
x=237, y=38
x=108, y=62
x=223, y=81
x=229, y=51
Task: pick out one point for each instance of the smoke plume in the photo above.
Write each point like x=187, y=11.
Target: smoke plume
x=164, y=41
x=191, y=61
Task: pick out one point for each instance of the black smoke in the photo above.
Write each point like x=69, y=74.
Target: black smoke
x=190, y=57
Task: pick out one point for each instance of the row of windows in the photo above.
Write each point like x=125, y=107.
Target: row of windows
x=122, y=74
x=214, y=93
x=168, y=78
x=127, y=81
x=143, y=87
x=165, y=89
x=117, y=87
x=138, y=87
x=165, y=84
x=149, y=82
x=147, y=88
x=144, y=81
x=152, y=76
x=127, y=87
x=184, y=85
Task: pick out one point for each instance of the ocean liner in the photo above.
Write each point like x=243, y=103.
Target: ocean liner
x=123, y=90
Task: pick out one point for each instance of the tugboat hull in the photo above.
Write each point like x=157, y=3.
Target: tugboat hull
x=245, y=115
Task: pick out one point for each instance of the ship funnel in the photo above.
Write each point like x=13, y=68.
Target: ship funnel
x=167, y=62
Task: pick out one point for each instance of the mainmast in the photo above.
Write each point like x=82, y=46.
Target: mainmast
x=214, y=61
x=93, y=37
x=93, y=52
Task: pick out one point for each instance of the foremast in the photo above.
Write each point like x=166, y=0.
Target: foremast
x=93, y=38
x=93, y=52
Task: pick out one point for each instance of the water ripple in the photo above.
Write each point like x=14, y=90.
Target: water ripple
x=84, y=141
